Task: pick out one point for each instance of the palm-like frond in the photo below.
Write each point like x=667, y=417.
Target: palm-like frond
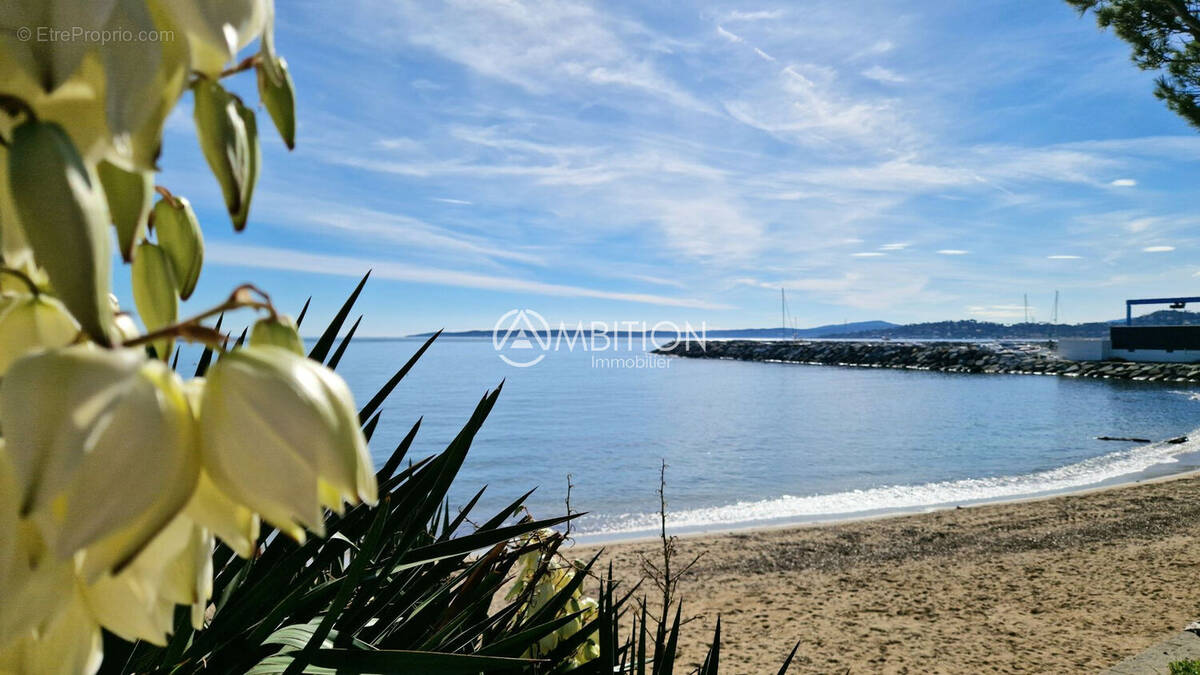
x=398, y=587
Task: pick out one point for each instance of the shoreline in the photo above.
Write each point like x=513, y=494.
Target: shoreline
x=1045, y=583
x=1156, y=472
x=593, y=541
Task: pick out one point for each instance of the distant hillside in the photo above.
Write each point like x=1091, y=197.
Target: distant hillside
x=831, y=330
x=983, y=330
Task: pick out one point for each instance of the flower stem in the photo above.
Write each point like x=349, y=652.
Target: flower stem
x=191, y=330
x=33, y=289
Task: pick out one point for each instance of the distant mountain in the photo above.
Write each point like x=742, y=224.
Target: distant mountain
x=983, y=330
x=831, y=330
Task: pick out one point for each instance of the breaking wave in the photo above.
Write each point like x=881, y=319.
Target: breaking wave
x=1089, y=472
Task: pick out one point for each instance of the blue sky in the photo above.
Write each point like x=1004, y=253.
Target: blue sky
x=682, y=161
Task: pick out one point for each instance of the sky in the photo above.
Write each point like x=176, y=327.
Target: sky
x=678, y=161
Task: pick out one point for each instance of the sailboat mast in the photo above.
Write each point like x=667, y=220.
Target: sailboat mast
x=782, y=314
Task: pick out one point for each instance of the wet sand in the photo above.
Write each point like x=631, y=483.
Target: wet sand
x=1071, y=583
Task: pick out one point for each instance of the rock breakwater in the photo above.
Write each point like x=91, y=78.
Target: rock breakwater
x=1026, y=358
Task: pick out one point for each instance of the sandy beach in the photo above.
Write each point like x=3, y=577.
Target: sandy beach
x=1071, y=583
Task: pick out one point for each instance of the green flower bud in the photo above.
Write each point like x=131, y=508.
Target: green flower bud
x=34, y=322
x=223, y=137
x=279, y=331
x=65, y=219
x=267, y=412
x=128, y=417
x=277, y=94
x=179, y=235
x=154, y=293
x=129, y=195
x=253, y=162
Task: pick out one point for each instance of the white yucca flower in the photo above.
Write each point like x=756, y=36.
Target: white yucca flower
x=267, y=412
x=127, y=431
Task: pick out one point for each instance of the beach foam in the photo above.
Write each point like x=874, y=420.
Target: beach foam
x=1089, y=472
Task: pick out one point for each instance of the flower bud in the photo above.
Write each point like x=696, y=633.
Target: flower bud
x=277, y=94
x=129, y=196
x=129, y=417
x=180, y=237
x=268, y=412
x=279, y=331
x=64, y=217
x=154, y=293
x=222, y=133
x=253, y=162
x=33, y=322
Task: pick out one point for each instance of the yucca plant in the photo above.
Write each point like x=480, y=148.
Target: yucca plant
x=404, y=587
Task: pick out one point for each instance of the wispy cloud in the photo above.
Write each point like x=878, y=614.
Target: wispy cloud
x=266, y=257
x=690, y=147
x=758, y=15
x=543, y=49
x=1158, y=249
x=881, y=74
x=728, y=35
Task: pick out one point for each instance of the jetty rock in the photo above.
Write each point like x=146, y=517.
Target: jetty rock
x=1001, y=357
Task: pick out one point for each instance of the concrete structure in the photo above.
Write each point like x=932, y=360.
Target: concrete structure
x=1084, y=349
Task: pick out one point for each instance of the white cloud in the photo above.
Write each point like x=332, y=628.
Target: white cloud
x=1064, y=257
x=1158, y=249
x=543, y=48
x=867, y=254
x=898, y=246
x=267, y=257
x=881, y=74
x=1123, y=182
x=880, y=47
x=380, y=227
x=806, y=105
x=728, y=36
x=759, y=15
x=765, y=56
x=448, y=200
x=953, y=251
x=399, y=144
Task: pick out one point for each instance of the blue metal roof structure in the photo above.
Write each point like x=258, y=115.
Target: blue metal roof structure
x=1175, y=303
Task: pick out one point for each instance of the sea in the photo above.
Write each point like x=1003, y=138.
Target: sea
x=749, y=444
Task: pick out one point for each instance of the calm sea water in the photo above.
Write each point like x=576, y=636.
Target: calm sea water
x=753, y=443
